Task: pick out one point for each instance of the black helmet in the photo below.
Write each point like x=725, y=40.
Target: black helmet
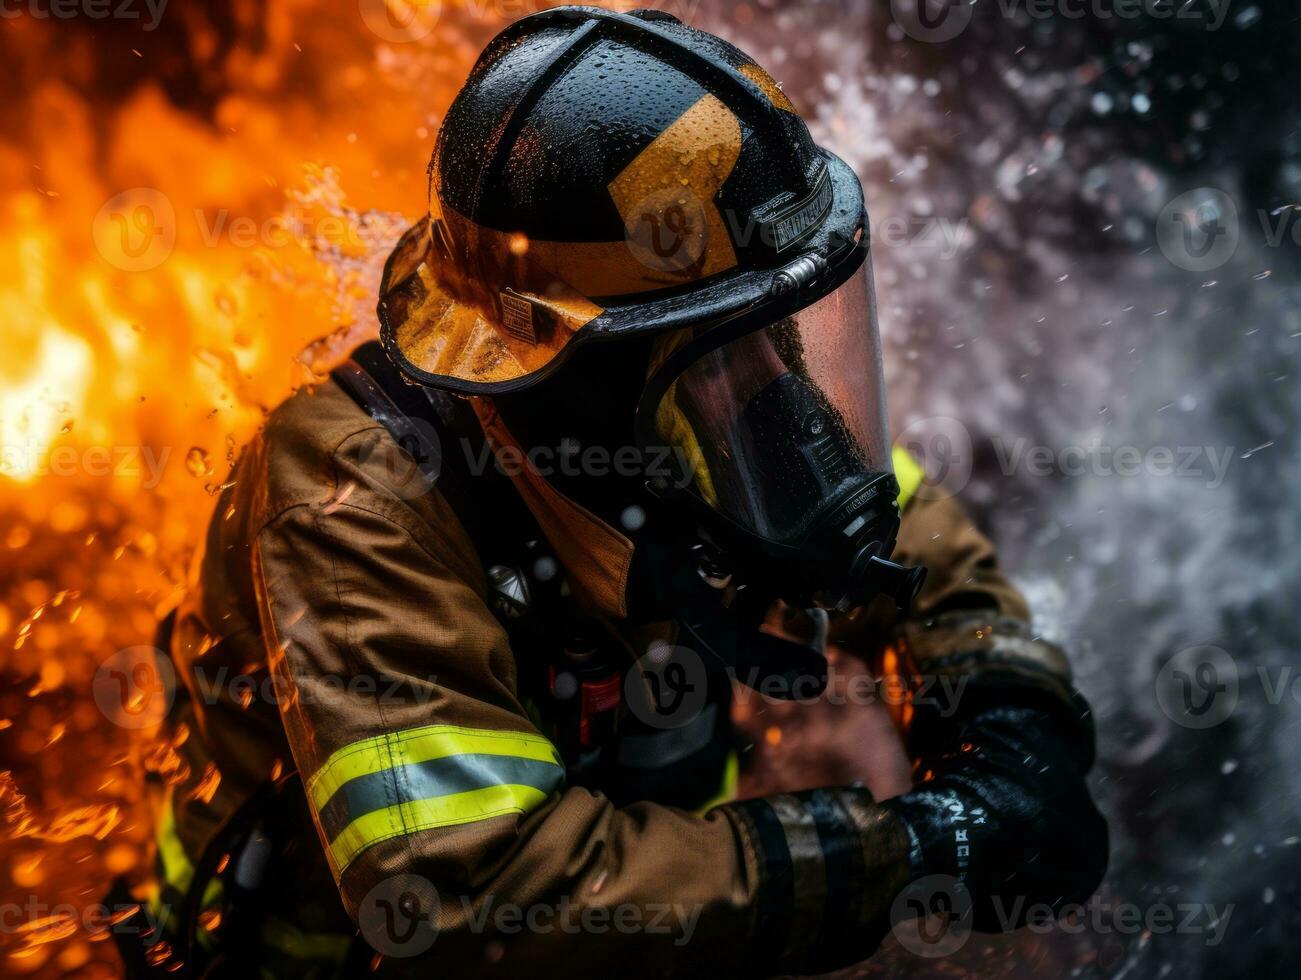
x=603, y=175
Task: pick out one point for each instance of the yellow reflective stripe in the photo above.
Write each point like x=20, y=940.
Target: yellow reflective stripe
x=908, y=472
x=287, y=939
x=177, y=869
x=770, y=87
x=384, y=752
x=727, y=791
x=439, y=811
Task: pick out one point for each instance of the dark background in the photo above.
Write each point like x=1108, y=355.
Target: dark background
x=1061, y=321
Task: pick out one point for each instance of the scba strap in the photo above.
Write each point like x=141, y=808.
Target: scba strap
x=442, y=434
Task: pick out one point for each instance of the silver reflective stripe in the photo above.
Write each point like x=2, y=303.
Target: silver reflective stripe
x=808, y=871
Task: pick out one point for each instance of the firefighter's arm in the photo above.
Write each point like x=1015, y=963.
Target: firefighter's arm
x=969, y=621
x=1001, y=737
x=419, y=761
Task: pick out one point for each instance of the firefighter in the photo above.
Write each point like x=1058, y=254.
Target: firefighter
x=457, y=666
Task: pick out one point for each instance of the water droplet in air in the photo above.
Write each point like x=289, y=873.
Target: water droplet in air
x=198, y=462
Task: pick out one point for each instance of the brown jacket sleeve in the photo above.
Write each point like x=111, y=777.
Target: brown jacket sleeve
x=968, y=623
x=435, y=798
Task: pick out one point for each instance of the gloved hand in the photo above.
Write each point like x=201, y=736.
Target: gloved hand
x=1003, y=806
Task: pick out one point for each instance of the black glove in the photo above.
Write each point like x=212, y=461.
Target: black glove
x=1003, y=806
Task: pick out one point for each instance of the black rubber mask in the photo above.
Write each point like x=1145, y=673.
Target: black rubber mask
x=780, y=433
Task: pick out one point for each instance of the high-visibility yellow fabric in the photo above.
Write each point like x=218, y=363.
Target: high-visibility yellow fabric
x=382, y=752
x=441, y=811
x=416, y=796
x=908, y=472
x=727, y=791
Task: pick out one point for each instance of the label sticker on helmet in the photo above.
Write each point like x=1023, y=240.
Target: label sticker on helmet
x=793, y=223
x=517, y=317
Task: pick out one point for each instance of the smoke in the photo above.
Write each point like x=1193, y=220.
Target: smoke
x=1131, y=420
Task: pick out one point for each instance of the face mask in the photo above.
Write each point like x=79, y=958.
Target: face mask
x=782, y=486
x=779, y=432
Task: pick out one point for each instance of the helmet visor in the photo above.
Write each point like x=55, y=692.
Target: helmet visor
x=777, y=425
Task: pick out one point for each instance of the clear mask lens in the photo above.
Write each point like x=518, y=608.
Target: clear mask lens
x=779, y=424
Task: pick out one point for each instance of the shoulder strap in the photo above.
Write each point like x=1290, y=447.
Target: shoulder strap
x=447, y=447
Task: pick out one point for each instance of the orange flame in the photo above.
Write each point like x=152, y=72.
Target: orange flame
x=194, y=222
